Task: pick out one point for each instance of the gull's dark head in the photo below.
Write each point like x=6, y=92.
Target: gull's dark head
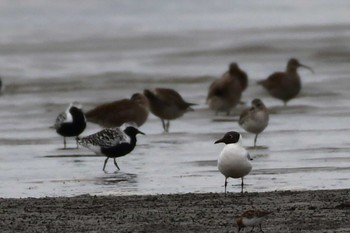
x=229, y=137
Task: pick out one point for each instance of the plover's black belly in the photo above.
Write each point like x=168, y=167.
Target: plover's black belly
x=118, y=151
x=70, y=129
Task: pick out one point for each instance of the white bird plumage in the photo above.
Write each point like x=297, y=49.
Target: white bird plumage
x=234, y=158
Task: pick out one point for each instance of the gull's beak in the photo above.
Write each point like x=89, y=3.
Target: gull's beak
x=219, y=141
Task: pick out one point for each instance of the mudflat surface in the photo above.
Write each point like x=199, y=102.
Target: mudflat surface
x=302, y=211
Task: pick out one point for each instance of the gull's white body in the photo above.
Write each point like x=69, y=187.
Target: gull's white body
x=234, y=161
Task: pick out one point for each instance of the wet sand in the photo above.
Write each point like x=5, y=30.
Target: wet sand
x=293, y=211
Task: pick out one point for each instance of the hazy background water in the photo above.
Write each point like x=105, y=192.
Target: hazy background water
x=52, y=53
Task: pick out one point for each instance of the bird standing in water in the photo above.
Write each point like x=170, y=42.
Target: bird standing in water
x=70, y=123
x=112, y=142
x=167, y=104
x=225, y=93
x=254, y=119
x=285, y=85
x=116, y=113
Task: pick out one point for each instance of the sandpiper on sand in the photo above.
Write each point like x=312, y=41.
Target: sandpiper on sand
x=251, y=218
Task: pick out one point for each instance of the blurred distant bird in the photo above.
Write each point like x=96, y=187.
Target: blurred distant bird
x=167, y=104
x=70, y=123
x=1, y=86
x=116, y=113
x=255, y=119
x=251, y=218
x=112, y=142
x=234, y=159
x=225, y=92
x=285, y=85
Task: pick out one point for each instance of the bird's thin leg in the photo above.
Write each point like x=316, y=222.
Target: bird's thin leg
x=104, y=165
x=242, y=186
x=64, y=142
x=256, y=137
x=115, y=163
x=76, y=140
x=261, y=228
x=167, y=125
x=163, y=123
x=239, y=229
x=225, y=184
x=252, y=229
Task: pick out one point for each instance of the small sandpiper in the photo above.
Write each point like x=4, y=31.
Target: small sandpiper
x=251, y=218
x=254, y=119
x=167, y=104
x=234, y=159
x=225, y=93
x=285, y=85
x=70, y=123
x=112, y=142
x=116, y=113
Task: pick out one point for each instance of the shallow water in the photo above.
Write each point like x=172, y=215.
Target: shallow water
x=111, y=55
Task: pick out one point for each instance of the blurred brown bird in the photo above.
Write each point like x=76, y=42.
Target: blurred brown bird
x=225, y=93
x=116, y=113
x=167, y=104
x=285, y=85
x=251, y=218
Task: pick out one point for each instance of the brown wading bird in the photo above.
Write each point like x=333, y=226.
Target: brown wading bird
x=116, y=113
x=285, y=85
x=254, y=119
x=167, y=104
x=251, y=218
x=225, y=93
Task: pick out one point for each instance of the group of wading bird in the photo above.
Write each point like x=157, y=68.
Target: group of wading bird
x=223, y=95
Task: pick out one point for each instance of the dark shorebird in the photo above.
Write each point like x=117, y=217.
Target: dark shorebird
x=225, y=93
x=251, y=218
x=112, y=142
x=285, y=85
x=116, y=113
x=167, y=104
x=70, y=123
x=234, y=159
x=254, y=119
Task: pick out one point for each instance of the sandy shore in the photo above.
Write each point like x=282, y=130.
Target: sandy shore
x=304, y=211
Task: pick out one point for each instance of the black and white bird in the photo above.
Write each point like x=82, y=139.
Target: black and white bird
x=112, y=142
x=70, y=123
x=234, y=158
